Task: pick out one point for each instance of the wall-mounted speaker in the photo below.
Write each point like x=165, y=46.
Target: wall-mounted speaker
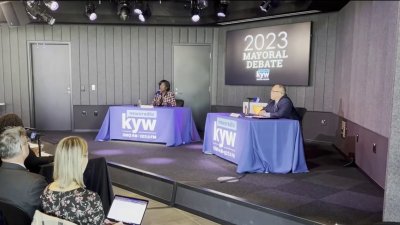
x=14, y=13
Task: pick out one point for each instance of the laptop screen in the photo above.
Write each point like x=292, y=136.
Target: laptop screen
x=127, y=209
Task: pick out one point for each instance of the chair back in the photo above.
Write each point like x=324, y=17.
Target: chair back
x=301, y=112
x=13, y=215
x=43, y=219
x=179, y=102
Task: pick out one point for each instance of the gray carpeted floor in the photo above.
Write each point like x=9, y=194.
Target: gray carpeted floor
x=329, y=193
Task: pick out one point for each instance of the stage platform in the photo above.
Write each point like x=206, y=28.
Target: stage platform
x=186, y=178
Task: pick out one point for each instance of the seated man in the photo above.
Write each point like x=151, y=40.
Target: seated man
x=164, y=97
x=32, y=162
x=18, y=186
x=281, y=106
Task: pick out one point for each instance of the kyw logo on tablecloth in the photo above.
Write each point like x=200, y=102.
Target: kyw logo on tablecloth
x=139, y=120
x=225, y=132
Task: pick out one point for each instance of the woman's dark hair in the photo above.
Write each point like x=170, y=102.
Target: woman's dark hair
x=166, y=83
x=10, y=120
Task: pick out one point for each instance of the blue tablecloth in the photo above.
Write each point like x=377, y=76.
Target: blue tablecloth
x=256, y=145
x=171, y=125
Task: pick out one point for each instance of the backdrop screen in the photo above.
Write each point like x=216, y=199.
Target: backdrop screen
x=268, y=55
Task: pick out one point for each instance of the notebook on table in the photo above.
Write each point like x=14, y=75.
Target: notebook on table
x=128, y=210
x=257, y=117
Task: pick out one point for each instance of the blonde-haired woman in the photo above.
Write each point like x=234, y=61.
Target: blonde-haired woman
x=67, y=197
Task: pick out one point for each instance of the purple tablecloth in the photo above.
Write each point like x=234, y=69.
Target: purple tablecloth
x=171, y=125
x=256, y=145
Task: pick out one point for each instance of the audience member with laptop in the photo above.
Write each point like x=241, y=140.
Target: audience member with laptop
x=67, y=197
x=280, y=105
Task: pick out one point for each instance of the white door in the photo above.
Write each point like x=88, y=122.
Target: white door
x=192, y=79
x=51, y=80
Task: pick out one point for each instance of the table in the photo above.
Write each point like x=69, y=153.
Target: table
x=95, y=177
x=170, y=125
x=256, y=145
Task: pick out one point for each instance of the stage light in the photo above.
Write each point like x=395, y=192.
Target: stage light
x=202, y=4
x=222, y=8
x=265, y=5
x=48, y=19
x=124, y=9
x=52, y=5
x=195, y=10
x=37, y=13
x=146, y=14
x=90, y=11
x=137, y=7
x=195, y=14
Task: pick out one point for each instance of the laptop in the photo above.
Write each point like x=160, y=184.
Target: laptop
x=128, y=210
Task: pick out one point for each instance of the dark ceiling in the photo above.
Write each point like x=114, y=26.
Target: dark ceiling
x=178, y=12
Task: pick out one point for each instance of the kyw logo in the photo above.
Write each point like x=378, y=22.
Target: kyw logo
x=136, y=124
x=224, y=137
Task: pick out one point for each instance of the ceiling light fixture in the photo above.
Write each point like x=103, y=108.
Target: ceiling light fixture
x=265, y=5
x=146, y=13
x=270, y=17
x=124, y=9
x=52, y=5
x=34, y=10
x=90, y=11
x=137, y=7
x=222, y=8
x=195, y=11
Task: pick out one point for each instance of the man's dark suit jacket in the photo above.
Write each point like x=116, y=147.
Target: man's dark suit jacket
x=284, y=109
x=20, y=187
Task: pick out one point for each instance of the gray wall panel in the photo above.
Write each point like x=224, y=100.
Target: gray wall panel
x=159, y=60
x=101, y=66
x=65, y=33
x=364, y=46
x=192, y=35
x=330, y=64
x=168, y=35
x=48, y=33
x=75, y=66
x=392, y=191
x=2, y=85
x=175, y=35
x=118, y=65
x=109, y=65
x=6, y=51
x=30, y=33
x=321, y=27
x=124, y=63
x=143, y=65
x=39, y=32
x=126, y=67
x=183, y=35
x=15, y=75
x=200, y=35
x=135, y=85
x=57, y=32
x=92, y=55
x=23, y=70
x=151, y=69
x=84, y=64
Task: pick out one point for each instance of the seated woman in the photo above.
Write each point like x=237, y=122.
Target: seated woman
x=67, y=197
x=164, y=97
x=32, y=162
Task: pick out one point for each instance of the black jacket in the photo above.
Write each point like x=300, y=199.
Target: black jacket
x=284, y=109
x=20, y=187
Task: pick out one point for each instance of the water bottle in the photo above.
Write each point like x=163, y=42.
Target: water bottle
x=139, y=102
